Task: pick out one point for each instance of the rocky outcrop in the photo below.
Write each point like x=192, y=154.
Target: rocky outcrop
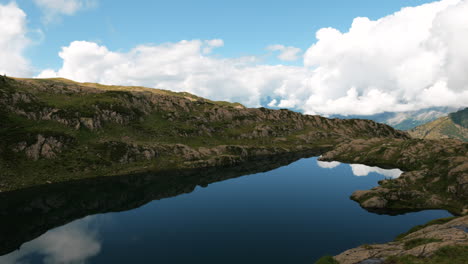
x=43, y=147
x=422, y=243
x=45, y=100
x=436, y=173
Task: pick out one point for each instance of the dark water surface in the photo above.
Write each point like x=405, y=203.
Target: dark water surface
x=292, y=214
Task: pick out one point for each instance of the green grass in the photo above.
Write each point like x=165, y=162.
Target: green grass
x=445, y=255
x=367, y=246
x=460, y=117
x=129, y=89
x=327, y=260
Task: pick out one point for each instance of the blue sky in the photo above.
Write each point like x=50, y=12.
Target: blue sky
x=246, y=27
x=360, y=57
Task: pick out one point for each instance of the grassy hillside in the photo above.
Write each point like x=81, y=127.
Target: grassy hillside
x=55, y=130
x=453, y=126
x=460, y=118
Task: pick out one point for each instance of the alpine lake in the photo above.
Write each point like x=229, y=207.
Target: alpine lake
x=280, y=210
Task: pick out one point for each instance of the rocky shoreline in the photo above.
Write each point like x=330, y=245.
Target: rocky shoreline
x=422, y=243
x=435, y=173
x=435, y=177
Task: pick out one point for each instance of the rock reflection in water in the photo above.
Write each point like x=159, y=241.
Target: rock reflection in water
x=27, y=214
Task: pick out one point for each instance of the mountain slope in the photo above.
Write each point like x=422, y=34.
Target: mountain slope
x=56, y=130
x=453, y=126
x=407, y=120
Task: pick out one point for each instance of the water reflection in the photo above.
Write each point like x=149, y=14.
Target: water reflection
x=27, y=214
x=72, y=243
x=281, y=216
x=328, y=164
x=362, y=170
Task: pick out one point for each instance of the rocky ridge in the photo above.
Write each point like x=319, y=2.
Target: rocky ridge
x=57, y=130
x=455, y=126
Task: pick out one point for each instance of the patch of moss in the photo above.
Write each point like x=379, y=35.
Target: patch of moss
x=327, y=260
x=367, y=246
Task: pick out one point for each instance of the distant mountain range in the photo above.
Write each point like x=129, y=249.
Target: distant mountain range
x=407, y=120
x=455, y=125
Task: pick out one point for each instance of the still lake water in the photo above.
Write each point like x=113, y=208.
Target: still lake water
x=292, y=214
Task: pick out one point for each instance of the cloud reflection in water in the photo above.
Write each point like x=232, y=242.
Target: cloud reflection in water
x=362, y=170
x=73, y=243
x=328, y=164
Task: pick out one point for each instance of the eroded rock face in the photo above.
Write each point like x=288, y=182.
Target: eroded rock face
x=375, y=202
x=44, y=147
x=123, y=107
x=453, y=233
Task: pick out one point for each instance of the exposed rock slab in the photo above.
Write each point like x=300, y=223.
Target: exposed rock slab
x=453, y=233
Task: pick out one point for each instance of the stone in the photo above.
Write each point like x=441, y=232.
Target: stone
x=375, y=202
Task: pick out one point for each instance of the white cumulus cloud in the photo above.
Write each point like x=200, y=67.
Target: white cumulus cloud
x=54, y=8
x=181, y=66
x=211, y=44
x=13, y=41
x=413, y=59
x=286, y=53
x=409, y=60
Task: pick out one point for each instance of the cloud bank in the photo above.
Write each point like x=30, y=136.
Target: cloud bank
x=181, y=66
x=413, y=59
x=405, y=61
x=13, y=41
